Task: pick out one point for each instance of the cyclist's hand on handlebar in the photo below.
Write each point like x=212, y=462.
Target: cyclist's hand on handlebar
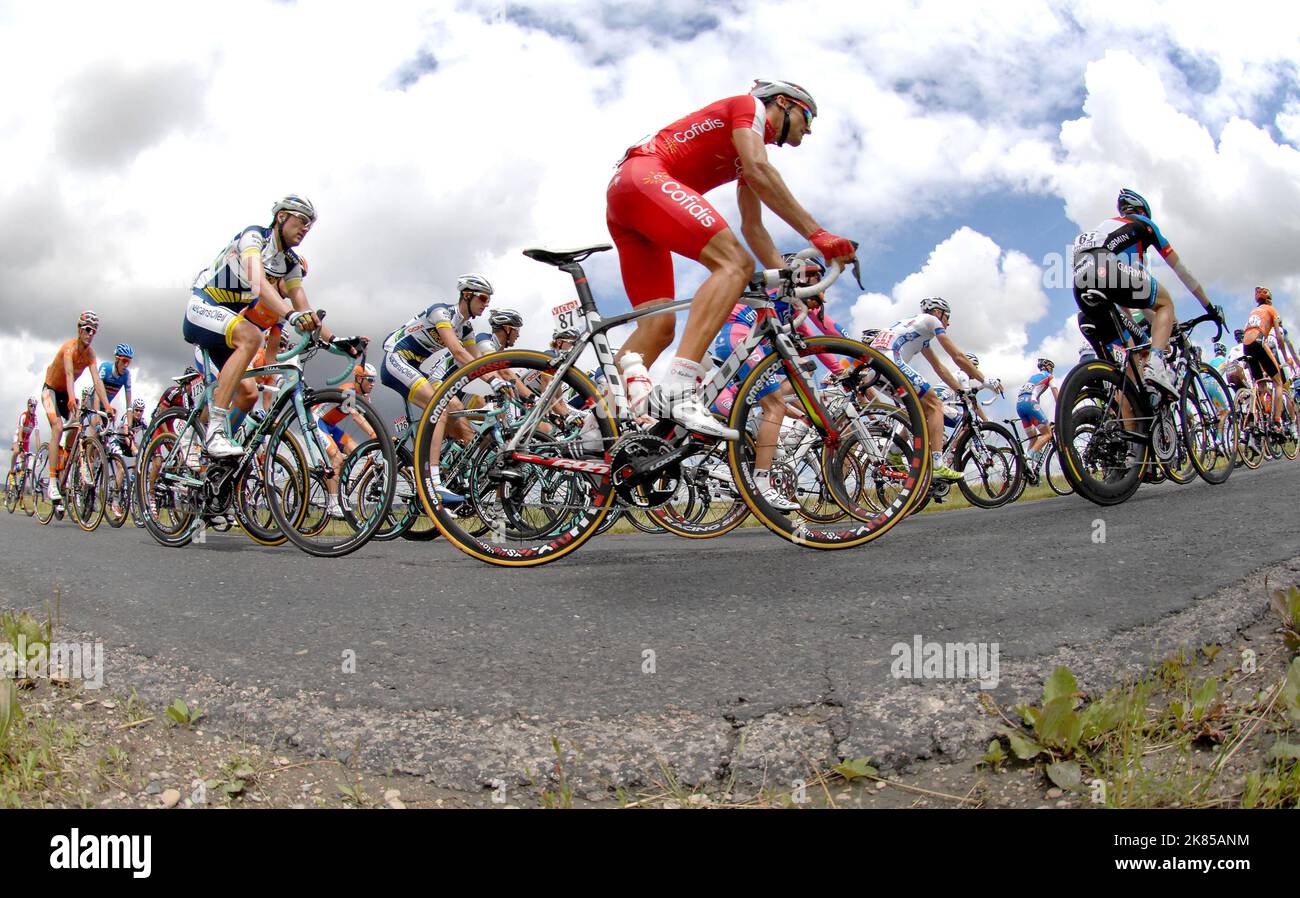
x=353, y=346
x=832, y=247
x=304, y=321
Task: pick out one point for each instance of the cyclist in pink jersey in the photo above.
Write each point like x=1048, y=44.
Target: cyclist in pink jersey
x=655, y=207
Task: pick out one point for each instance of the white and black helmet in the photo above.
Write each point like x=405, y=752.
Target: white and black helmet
x=766, y=90
x=974, y=359
x=870, y=334
x=474, y=283
x=295, y=203
x=506, y=318
x=1046, y=365
x=932, y=304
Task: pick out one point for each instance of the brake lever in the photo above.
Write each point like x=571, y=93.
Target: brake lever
x=857, y=267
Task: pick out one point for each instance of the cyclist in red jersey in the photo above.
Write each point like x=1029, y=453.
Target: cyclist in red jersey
x=27, y=425
x=655, y=207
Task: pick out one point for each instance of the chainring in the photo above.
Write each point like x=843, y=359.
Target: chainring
x=629, y=456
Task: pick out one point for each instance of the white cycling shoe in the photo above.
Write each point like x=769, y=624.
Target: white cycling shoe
x=1157, y=374
x=774, y=497
x=221, y=446
x=55, y=495
x=681, y=404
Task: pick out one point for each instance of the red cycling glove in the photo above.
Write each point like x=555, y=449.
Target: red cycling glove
x=830, y=246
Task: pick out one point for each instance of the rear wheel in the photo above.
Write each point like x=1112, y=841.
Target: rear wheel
x=1105, y=466
x=119, y=496
x=532, y=505
x=167, y=489
x=706, y=503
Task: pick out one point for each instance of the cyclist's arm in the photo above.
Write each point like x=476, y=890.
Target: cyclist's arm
x=100, y=395
x=767, y=184
x=447, y=335
x=753, y=229
x=1056, y=394
x=940, y=368
x=364, y=424
x=1189, y=280
x=267, y=293
x=959, y=359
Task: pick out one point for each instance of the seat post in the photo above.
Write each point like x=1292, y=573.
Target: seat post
x=585, y=297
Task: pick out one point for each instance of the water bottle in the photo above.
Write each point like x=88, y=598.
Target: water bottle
x=637, y=381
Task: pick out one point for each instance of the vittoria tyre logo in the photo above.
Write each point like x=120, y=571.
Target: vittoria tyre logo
x=693, y=203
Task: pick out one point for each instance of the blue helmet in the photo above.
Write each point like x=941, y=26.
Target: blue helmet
x=124, y=350
x=1132, y=201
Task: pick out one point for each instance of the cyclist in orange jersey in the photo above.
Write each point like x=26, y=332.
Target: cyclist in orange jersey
x=72, y=358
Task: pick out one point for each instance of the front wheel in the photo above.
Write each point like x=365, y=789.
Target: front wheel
x=323, y=520
x=867, y=418
x=992, y=465
x=87, y=482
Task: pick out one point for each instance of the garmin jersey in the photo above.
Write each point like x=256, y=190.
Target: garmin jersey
x=419, y=338
x=908, y=337
x=223, y=281
x=1035, y=387
x=698, y=149
x=1127, y=237
x=113, y=382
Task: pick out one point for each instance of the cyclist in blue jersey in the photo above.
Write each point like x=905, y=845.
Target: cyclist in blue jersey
x=116, y=376
x=902, y=340
x=1036, y=423
x=1110, y=268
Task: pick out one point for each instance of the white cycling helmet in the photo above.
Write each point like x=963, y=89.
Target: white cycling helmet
x=295, y=203
x=474, y=283
x=932, y=304
x=974, y=359
x=766, y=90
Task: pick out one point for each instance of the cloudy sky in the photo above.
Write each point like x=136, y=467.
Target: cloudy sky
x=963, y=144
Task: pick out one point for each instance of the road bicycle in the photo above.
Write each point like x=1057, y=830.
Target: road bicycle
x=987, y=455
x=82, y=480
x=1130, y=428
x=553, y=495
x=21, y=482
x=285, y=467
x=1049, y=468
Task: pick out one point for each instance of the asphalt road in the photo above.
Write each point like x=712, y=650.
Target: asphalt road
x=464, y=669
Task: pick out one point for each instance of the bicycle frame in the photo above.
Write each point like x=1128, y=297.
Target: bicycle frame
x=767, y=326
x=291, y=392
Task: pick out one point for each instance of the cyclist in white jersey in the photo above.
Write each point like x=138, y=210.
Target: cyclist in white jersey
x=441, y=326
x=1032, y=416
x=904, y=339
